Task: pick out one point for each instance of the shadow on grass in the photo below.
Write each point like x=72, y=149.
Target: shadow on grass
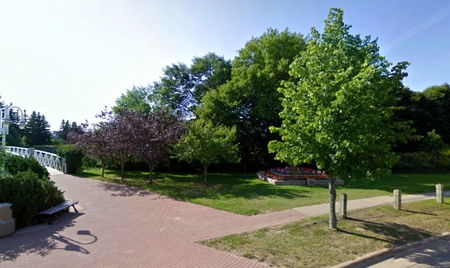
x=187, y=187
x=419, y=212
x=390, y=232
x=44, y=239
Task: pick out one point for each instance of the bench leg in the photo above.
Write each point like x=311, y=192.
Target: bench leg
x=75, y=208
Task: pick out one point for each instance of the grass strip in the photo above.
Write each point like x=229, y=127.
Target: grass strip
x=310, y=243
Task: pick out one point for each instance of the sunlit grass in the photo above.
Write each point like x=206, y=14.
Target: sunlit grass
x=310, y=243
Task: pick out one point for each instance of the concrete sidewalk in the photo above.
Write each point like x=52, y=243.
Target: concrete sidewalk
x=120, y=226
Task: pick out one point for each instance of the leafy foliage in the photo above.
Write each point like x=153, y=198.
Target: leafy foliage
x=94, y=144
x=250, y=100
x=136, y=99
x=15, y=164
x=73, y=156
x=156, y=133
x=37, y=131
x=208, y=144
x=181, y=88
x=67, y=127
x=29, y=194
x=336, y=113
x=128, y=135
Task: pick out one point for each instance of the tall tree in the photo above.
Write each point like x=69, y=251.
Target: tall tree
x=434, y=146
x=93, y=142
x=250, y=100
x=66, y=128
x=207, y=143
x=37, y=130
x=181, y=87
x=119, y=135
x=155, y=136
x=438, y=100
x=137, y=99
x=336, y=113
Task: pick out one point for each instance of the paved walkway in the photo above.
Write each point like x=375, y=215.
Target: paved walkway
x=120, y=226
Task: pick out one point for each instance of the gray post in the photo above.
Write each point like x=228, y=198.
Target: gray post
x=440, y=193
x=398, y=199
x=343, y=205
x=31, y=152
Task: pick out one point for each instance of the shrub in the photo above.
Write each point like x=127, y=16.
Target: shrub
x=15, y=164
x=422, y=162
x=29, y=194
x=74, y=158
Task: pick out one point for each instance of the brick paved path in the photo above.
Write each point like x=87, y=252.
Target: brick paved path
x=119, y=226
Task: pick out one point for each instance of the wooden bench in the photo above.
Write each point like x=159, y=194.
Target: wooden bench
x=63, y=206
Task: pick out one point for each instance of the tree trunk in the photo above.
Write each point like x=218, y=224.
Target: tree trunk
x=332, y=188
x=103, y=168
x=150, y=180
x=205, y=172
x=122, y=169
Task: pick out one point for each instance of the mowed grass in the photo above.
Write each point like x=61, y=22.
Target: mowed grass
x=310, y=243
x=245, y=194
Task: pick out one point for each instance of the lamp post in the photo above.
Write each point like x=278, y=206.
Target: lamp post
x=5, y=121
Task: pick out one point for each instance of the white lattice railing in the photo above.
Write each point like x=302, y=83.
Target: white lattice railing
x=45, y=158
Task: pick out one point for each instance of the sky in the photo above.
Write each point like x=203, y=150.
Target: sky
x=69, y=59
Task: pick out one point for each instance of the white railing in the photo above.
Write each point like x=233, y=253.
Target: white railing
x=45, y=158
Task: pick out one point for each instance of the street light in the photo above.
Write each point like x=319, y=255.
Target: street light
x=5, y=122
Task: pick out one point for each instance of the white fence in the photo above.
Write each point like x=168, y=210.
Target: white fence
x=45, y=158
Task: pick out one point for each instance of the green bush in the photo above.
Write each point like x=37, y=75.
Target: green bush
x=15, y=164
x=422, y=162
x=28, y=194
x=74, y=158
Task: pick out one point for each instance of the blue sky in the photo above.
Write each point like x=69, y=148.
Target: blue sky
x=69, y=59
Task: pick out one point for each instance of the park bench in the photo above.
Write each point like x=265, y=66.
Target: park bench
x=63, y=206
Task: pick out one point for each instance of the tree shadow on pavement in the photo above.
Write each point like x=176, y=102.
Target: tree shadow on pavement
x=436, y=254
x=394, y=234
x=43, y=239
x=120, y=190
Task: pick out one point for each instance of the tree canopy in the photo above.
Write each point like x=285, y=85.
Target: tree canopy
x=250, y=99
x=181, y=87
x=207, y=143
x=336, y=113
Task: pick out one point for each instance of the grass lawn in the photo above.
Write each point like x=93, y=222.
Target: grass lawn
x=310, y=243
x=244, y=193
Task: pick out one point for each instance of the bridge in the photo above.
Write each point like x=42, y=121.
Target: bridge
x=46, y=159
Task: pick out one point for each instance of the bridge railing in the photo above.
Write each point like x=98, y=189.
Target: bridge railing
x=45, y=158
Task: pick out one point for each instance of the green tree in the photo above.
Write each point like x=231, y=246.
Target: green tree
x=208, y=144
x=14, y=138
x=181, y=88
x=37, y=131
x=250, y=100
x=335, y=114
x=438, y=106
x=434, y=146
x=67, y=127
x=136, y=99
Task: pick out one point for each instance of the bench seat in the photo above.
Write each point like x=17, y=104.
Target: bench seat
x=63, y=206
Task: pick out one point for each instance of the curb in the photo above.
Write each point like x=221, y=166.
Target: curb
x=383, y=254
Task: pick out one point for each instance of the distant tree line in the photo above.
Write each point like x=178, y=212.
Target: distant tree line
x=37, y=130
